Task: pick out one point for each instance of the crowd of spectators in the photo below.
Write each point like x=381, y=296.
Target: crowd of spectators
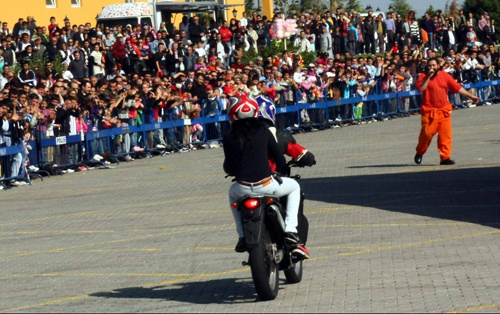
x=59, y=80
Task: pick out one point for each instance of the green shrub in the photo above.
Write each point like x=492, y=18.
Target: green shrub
x=38, y=66
x=276, y=49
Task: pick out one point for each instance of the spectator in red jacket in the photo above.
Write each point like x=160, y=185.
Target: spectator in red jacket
x=225, y=32
x=119, y=51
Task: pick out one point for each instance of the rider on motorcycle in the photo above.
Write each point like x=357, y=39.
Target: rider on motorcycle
x=286, y=142
x=247, y=149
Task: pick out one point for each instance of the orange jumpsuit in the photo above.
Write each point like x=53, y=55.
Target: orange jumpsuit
x=436, y=113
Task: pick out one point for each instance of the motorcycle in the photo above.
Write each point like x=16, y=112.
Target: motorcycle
x=263, y=219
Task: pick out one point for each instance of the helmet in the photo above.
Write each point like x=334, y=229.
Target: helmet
x=242, y=107
x=267, y=109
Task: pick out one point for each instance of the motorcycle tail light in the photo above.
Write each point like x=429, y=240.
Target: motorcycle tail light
x=269, y=201
x=251, y=203
x=234, y=205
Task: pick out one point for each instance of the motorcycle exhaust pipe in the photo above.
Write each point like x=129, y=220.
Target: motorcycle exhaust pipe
x=276, y=210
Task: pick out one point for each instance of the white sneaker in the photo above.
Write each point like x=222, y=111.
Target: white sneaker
x=22, y=183
x=161, y=146
x=97, y=157
x=33, y=168
x=107, y=162
x=128, y=158
x=70, y=170
x=487, y=103
x=1, y=187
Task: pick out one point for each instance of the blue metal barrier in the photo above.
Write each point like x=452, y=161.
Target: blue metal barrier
x=322, y=113
x=67, y=150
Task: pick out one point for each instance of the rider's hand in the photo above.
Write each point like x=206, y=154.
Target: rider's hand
x=307, y=160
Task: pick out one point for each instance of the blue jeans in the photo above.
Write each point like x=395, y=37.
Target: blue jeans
x=133, y=136
x=431, y=40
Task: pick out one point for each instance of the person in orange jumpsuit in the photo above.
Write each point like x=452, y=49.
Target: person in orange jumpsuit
x=436, y=110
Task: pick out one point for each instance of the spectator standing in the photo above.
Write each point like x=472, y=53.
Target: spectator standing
x=369, y=34
x=381, y=31
x=390, y=31
x=17, y=28
x=429, y=28
x=77, y=67
x=460, y=20
x=352, y=39
x=97, y=62
x=196, y=31
x=472, y=21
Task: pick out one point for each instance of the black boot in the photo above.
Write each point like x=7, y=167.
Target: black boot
x=418, y=159
x=241, y=246
x=447, y=162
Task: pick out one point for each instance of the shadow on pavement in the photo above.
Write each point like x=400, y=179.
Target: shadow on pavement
x=198, y=292
x=466, y=195
x=382, y=166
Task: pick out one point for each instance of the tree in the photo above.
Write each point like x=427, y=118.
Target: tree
x=401, y=7
x=447, y=8
x=249, y=6
x=430, y=11
x=454, y=8
x=352, y=5
x=334, y=4
x=315, y=6
x=478, y=7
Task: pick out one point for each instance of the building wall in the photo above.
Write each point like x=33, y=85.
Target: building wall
x=12, y=10
x=240, y=9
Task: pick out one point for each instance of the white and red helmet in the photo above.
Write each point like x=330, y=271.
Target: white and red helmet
x=242, y=107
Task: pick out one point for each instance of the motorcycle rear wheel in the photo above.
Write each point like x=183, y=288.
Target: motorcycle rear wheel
x=265, y=271
x=294, y=274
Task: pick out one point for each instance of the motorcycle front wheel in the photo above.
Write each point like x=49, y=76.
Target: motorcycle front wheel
x=265, y=271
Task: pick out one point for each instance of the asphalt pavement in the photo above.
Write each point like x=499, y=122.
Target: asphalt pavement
x=157, y=235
